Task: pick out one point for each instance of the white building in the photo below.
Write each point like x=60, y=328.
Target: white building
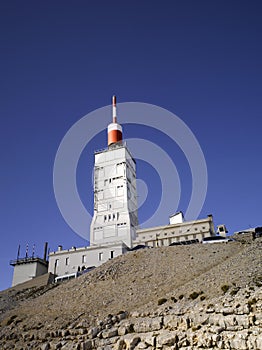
x=70, y=261
x=113, y=227
x=176, y=231
x=115, y=198
x=28, y=267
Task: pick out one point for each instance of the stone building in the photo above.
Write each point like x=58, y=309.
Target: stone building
x=176, y=231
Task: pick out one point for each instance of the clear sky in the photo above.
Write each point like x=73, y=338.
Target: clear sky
x=60, y=60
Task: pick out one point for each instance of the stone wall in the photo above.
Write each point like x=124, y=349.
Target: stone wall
x=231, y=322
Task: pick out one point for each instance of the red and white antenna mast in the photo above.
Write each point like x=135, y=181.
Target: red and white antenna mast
x=114, y=130
x=114, y=109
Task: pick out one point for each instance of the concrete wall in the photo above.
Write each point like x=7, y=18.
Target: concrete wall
x=69, y=261
x=25, y=271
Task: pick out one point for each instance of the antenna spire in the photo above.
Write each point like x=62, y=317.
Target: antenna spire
x=114, y=108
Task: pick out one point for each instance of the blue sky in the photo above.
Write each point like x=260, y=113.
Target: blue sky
x=61, y=60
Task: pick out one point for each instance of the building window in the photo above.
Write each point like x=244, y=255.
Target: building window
x=100, y=256
x=121, y=224
x=56, y=262
x=67, y=261
x=83, y=259
x=111, y=254
x=104, y=217
x=195, y=228
x=203, y=227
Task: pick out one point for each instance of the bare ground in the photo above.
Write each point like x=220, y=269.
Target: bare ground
x=136, y=282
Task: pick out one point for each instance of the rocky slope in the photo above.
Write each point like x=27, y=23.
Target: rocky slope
x=180, y=297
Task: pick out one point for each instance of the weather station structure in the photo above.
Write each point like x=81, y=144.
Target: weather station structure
x=115, y=220
x=114, y=228
x=29, y=266
x=115, y=196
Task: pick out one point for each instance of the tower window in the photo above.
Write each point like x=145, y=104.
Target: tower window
x=67, y=261
x=111, y=254
x=100, y=256
x=83, y=259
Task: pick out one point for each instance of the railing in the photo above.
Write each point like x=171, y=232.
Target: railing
x=113, y=146
x=27, y=260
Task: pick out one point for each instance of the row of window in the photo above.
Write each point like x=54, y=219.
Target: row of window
x=111, y=217
x=121, y=224
x=84, y=258
x=180, y=231
x=118, y=224
x=168, y=241
x=101, y=255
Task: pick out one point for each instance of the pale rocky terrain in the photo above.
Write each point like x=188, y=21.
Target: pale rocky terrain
x=181, y=297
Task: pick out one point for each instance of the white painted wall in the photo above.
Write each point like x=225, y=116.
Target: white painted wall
x=26, y=271
x=115, y=197
x=63, y=262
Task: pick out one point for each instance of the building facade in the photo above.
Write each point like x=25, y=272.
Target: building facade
x=115, y=199
x=69, y=261
x=176, y=231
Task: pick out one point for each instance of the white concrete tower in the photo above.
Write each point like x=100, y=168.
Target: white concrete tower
x=115, y=197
